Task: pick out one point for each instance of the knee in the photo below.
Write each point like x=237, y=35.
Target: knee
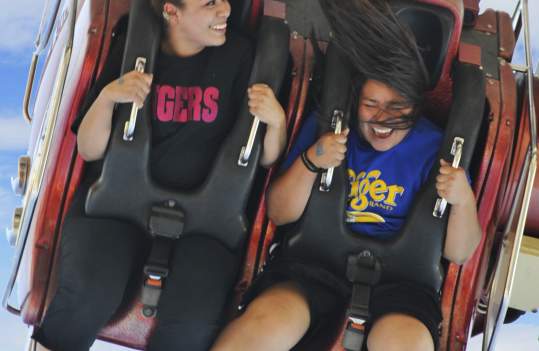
x=89, y=289
x=399, y=332
x=283, y=303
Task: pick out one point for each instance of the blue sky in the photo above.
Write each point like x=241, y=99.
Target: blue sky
x=20, y=20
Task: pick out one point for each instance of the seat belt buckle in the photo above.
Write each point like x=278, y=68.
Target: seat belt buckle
x=152, y=288
x=155, y=272
x=354, y=334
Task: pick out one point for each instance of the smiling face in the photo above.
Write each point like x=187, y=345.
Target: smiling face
x=197, y=24
x=379, y=104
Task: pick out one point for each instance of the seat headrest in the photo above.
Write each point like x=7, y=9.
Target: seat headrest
x=433, y=28
x=241, y=12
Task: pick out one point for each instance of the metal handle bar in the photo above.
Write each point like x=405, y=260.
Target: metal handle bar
x=456, y=151
x=129, y=127
x=246, y=150
x=327, y=176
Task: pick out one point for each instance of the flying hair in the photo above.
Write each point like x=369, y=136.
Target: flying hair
x=378, y=46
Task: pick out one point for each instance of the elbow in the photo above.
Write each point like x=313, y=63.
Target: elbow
x=461, y=255
x=457, y=259
x=85, y=153
x=267, y=163
x=274, y=212
x=277, y=211
x=275, y=218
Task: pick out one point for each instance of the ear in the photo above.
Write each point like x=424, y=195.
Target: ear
x=171, y=13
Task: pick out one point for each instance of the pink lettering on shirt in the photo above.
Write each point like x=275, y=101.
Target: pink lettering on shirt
x=211, y=97
x=165, y=103
x=182, y=104
x=180, y=110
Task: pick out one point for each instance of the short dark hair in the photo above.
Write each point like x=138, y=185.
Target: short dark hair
x=157, y=5
x=378, y=46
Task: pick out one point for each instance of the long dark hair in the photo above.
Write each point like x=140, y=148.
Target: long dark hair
x=378, y=46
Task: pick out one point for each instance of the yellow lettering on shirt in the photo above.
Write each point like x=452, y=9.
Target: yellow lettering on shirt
x=367, y=189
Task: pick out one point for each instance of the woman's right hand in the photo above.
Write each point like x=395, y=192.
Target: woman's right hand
x=329, y=151
x=131, y=87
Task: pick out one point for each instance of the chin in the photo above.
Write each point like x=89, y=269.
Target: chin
x=216, y=41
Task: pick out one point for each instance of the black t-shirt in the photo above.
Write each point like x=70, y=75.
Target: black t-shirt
x=195, y=102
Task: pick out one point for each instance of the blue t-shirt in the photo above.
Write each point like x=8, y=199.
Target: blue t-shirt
x=382, y=184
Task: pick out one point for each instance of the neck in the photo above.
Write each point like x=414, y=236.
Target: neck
x=176, y=44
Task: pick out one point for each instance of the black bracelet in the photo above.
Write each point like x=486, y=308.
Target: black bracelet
x=308, y=163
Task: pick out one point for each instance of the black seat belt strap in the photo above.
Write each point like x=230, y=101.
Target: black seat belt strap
x=363, y=271
x=166, y=226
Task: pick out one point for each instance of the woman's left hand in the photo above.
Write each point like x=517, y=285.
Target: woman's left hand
x=264, y=105
x=452, y=184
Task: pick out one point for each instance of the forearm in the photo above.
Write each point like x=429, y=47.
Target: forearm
x=274, y=143
x=95, y=128
x=288, y=195
x=463, y=232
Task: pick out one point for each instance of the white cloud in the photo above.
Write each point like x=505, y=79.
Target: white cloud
x=20, y=22
x=104, y=346
x=14, y=133
x=503, y=5
x=515, y=336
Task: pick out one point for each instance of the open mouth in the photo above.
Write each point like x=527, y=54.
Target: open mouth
x=382, y=132
x=219, y=28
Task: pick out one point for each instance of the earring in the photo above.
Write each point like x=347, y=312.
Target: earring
x=166, y=16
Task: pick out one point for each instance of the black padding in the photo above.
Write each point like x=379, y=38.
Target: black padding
x=306, y=18
x=335, y=90
x=217, y=208
x=432, y=27
x=241, y=10
x=414, y=254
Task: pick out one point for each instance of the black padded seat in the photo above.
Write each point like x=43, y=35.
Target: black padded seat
x=432, y=27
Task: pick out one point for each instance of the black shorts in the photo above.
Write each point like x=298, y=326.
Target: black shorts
x=328, y=295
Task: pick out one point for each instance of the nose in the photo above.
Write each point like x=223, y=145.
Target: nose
x=381, y=115
x=224, y=9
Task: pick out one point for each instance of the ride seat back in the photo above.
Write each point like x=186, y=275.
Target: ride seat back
x=433, y=28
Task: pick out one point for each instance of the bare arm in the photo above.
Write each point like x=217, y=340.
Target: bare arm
x=264, y=105
x=95, y=128
x=288, y=195
x=463, y=230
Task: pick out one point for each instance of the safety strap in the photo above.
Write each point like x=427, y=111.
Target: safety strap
x=364, y=271
x=166, y=226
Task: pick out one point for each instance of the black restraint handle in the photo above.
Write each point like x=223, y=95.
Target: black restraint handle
x=126, y=190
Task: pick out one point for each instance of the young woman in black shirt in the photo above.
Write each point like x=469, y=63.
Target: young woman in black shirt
x=194, y=105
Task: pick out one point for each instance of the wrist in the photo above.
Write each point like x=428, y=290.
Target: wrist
x=278, y=123
x=309, y=164
x=312, y=156
x=105, y=98
x=465, y=201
